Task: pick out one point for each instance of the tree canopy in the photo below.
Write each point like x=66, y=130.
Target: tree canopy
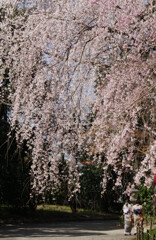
x=63, y=57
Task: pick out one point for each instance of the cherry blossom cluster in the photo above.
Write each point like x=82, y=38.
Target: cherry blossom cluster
x=45, y=49
x=124, y=127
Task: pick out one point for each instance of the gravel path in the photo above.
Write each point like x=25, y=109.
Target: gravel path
x=86, y=230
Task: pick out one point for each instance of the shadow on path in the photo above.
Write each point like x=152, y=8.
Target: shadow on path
x=68, y=229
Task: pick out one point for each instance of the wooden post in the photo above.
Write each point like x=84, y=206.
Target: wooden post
x=147, y=234
x=138, y=232
x=142, y=231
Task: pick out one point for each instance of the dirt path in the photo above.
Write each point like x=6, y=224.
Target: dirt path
x=86, y=230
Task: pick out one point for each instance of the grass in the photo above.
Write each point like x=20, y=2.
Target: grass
x=151, y=232
x=56, y=208
x=49, y=213
x=67, y=209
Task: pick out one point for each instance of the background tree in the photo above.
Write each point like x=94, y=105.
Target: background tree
x=14, y=164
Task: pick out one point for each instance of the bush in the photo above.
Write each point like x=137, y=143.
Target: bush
x=145, y=195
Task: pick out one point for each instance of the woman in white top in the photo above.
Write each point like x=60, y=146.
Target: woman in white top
x=137, y=211
x=127, y=211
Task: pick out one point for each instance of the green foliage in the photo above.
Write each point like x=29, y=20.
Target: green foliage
x=14, y=175
x=14, y=165
x=145, y=195
x=90, y=187
x=90, y=196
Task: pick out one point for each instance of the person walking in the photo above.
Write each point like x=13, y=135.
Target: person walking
x=127, y=211
x=137, y=211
